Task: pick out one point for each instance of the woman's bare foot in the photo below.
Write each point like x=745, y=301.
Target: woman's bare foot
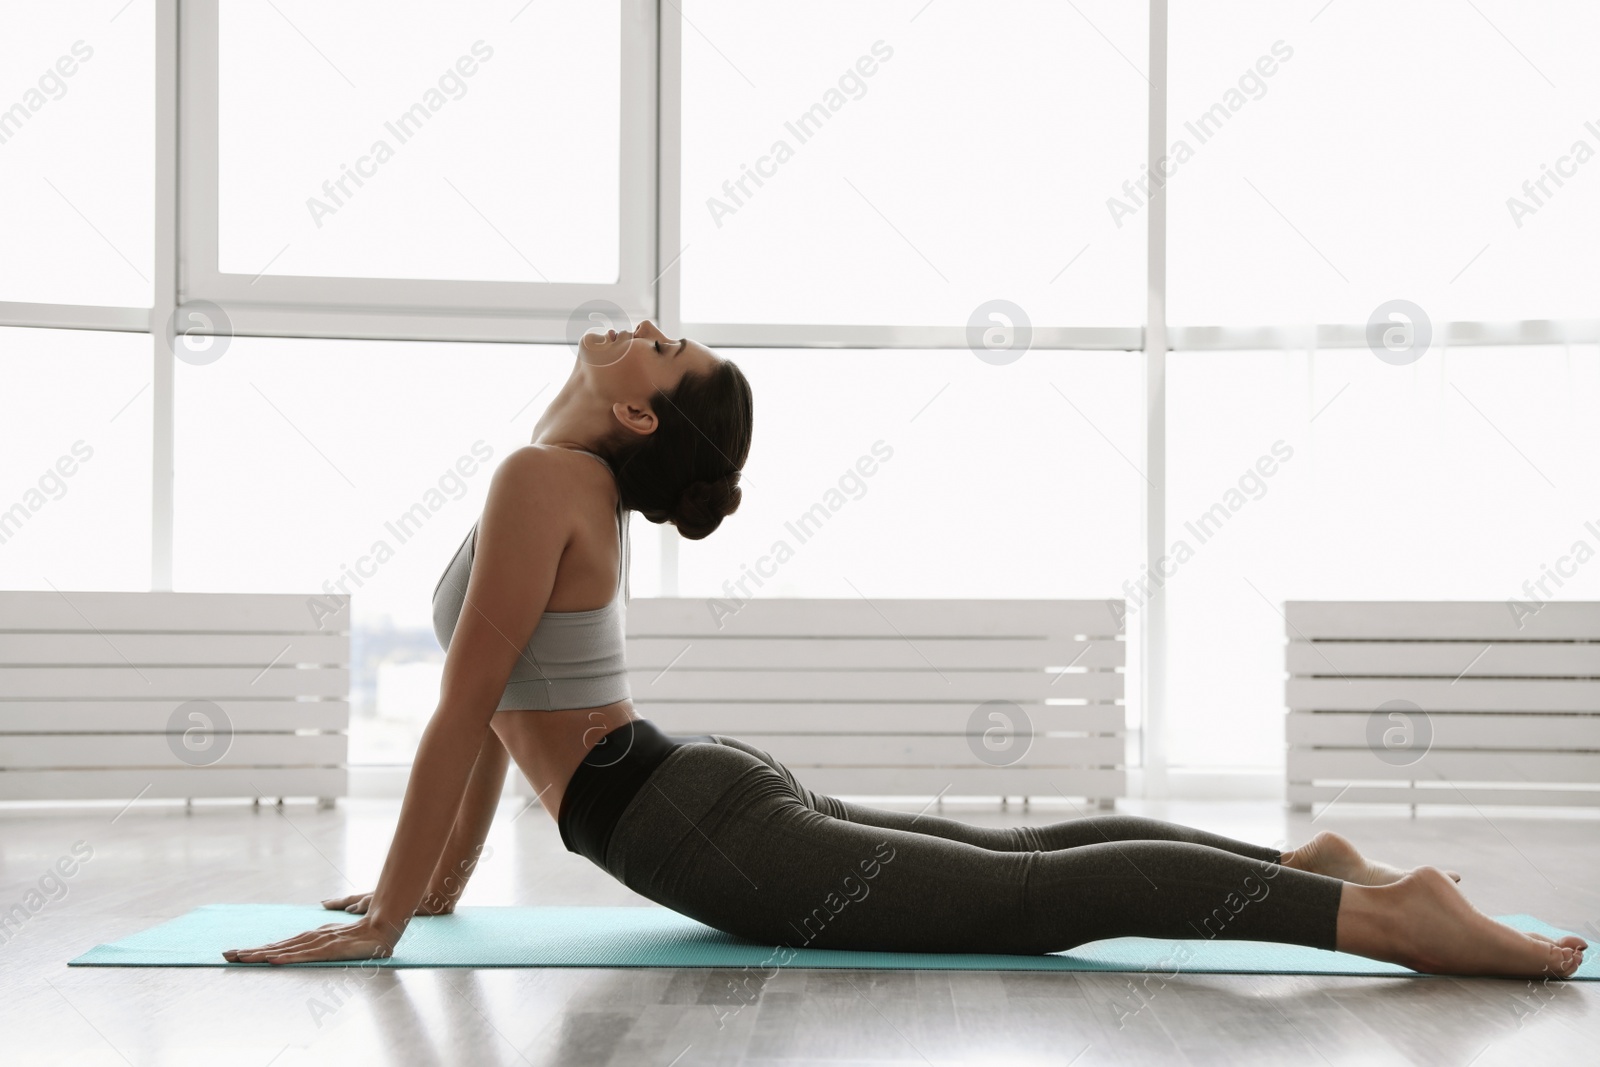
x=1425, y=923
x=1333, y=855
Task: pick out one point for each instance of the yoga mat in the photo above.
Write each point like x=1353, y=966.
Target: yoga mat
x=658, y=937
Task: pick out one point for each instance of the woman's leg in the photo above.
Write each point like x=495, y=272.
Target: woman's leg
x=1073, y=833
x=1326, y=853
x=722, y=835
x=719, y=835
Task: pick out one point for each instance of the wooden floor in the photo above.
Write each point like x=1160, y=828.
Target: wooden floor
x=151, y=863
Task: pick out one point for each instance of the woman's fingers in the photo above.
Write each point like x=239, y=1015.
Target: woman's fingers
x=342, y=949
x=334, y=941
x=427, y=906
x=360, y=903
x=345, y=943
x=290, y=942
x=305, y=940
x=261, y=952
x=310, y=954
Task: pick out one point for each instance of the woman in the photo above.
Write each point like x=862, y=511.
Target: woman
x=531, y=613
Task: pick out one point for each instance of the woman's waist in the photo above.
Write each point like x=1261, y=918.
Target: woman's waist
x=606, y=781
x=548, y=746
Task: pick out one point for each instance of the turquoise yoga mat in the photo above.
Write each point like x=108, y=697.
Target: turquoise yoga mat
x=657, y=937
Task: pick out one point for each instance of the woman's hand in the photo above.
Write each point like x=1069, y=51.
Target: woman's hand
x=361, y=940
x=432, y=903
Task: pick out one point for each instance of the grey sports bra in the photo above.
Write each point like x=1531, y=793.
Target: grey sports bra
x=574, y=658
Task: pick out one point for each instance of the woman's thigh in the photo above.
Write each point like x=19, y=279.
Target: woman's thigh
x=760, y=863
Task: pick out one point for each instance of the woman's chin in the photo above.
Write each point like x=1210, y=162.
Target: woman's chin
x=594, y=351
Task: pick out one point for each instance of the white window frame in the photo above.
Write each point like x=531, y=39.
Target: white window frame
x=651, y=128
x=794, y=335
x=410, y=308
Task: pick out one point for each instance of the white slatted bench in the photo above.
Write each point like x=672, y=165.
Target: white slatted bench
x=898, y=697
x=172, y=695
x=1443, y=702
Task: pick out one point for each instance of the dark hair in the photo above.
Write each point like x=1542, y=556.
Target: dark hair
x=687, y=471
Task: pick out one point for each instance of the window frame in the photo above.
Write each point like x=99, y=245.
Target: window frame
x=409, y=308
x=793, y=335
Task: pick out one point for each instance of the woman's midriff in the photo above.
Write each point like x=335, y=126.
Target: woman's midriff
x=547, y=746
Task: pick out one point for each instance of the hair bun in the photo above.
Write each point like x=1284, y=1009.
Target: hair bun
x=703, y=505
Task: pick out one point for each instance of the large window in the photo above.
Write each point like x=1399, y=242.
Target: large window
x=1327, y=159
x=904, y=163
x=431, y=142
x=477, y=171
x=77, y=109
x=75, y=470
x=1027, y=291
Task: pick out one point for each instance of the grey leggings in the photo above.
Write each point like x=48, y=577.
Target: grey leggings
x=725, y=834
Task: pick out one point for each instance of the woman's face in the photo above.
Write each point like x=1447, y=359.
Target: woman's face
x=629, y=366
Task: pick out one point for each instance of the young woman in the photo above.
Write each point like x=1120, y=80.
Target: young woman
x=531, y=613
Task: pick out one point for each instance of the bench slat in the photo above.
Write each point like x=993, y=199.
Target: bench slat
x=1445, y=659
x=1441, y=694
x=955, y=782
x=1439, y=620
x=1467, y=794
x=190, y=683
x=151, y=716
x=127, y=783
x=912, y=750
x=189, y=650
x=750, y=719
x=680, y=683
x=772, y=617
x=1306, y=764
x=656, y=653
x=93, y=751
x=113, y=612
x=1333, y=729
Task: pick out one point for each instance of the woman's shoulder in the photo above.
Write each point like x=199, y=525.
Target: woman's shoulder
x=535, y=461
x=551, y=476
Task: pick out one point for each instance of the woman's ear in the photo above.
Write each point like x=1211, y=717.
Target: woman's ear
x=639, y=420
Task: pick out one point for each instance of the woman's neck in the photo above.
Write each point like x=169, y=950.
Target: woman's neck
x=574, y=419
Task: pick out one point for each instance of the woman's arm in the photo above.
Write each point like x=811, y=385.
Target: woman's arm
x=465, y=847
x=524, y=530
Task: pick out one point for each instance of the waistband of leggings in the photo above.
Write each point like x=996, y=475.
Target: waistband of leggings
x=608, y=779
